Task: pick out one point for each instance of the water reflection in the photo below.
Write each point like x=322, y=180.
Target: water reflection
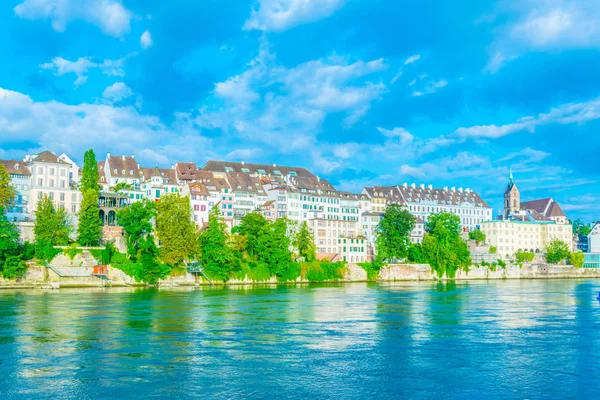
x=502, y=339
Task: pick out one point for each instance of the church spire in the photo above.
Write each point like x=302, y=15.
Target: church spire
x=510, y=177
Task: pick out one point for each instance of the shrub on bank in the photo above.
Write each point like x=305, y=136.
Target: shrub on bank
x=372, y=268
x=14, y=268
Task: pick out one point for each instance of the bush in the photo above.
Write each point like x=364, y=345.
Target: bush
x=501, y=263
x=493, y=250
x=557, y=251
x=72, y=251
x=45, y=251
x=322, y=271
x=14, y=268
x=373, y=268
x=524, y=256
x=577, y=259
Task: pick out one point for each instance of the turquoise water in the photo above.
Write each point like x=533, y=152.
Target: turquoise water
x=506, y=339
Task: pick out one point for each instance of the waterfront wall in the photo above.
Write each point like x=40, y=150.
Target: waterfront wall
x=78, y=272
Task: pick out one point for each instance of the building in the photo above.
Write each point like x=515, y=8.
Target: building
x=269, y=210
x=422, y=201
x=20, y=179
x=594, y=239
x=156, y=182
x=50, y=177
x=535, y=210
x=123, y=170
x=199, y=201
x=512, y=235
x=339, y=237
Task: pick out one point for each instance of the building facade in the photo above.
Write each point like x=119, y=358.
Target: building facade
x=20, y=179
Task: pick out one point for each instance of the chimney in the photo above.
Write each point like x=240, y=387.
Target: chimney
x=422, y=186
x=107, y=156
x=430, y=187
x=412, y=185
x=405, y=184
x=242, y=163
x=460, y=189
x=446, y=188
x=274, y=165
x=123, y=157
x=453, y=188
x=132, y=156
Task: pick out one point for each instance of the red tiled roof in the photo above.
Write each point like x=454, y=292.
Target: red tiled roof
x=15, y=167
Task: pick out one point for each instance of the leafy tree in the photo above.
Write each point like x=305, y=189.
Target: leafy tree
x=393, y=233
x=557, y=251
x=7, y=191
x=136, y=221
x=14, y=268
x=175, y=229
x=577, y=259
x=9, y=237
x=51, y=228
x=304, y=242
x=477, y=236
x=252, y=226
x=89, y=174
x=150, y=269
x=443, y=247
x=493, y=249
x=90, y=224
x=215, y=256
x=415, y=253
x=273, y=247
x=121, y=186
x=581, y=228
x=524, y=256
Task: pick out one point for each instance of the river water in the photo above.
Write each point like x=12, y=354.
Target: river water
x=477, y=340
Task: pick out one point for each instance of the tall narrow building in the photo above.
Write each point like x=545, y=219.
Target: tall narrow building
x=512, y=198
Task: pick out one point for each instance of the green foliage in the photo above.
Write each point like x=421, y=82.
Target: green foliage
x=26, y=251
x=151, y=269
x=502, y=264
x=393, y=233
x=90, y=224
x=121, y=186
x=9, y=237
x=51, y=228
x=493, y=250
x=322, y=271
x=7, y=191
x=415, y=254
x=136, y=223
x=304, y=242
x=108, y=253
x=175, y=229
x=216, y=257
x=14, y=268
x=577, y=259
x=557, y=251
x=72, y=251
x=273, y=247
x=253, y=226
x=442, y=246
x=89, y=173
x=373, y=268
x=477, y=236
x=524, y=256
x=581, y=228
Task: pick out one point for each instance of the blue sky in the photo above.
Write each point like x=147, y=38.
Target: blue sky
x=361, y=92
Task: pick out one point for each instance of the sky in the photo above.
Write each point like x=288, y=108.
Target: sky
x=361, y=92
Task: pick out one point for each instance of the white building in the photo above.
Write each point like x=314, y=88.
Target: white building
x=510, y=236
x=338, y=237
x=156, y=182
x=594, y=239
x=50, y=176
x=20, y=179
x=121, y=169
x=199, y=201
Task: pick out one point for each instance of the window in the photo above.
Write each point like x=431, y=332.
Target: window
x=62, y=172
x=51, y=182
x=203, y=207
x=228, y=169
x=73, y=197
x=62, y=196
x=51, y=195
x=73, y=208
x=51, y=171
x=40, y=195
x=40, y=182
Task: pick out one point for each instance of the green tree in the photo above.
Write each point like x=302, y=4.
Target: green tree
x=89, y=173
x=557, y=251
x=273, y=247
x=150, y=269
x=121, y=186
x=51, y=227
x=304, y=242
x=577, y=259
x=14, y=268
x=7, y=191
x=477, y=236
x=175, y=229
x=136, y=221
x=215, y=255
x=581, y=228
x=393, y=233
x=252, y=226
x=524, y=256
x=9, y=237
x=442, y=246
x=90, y=224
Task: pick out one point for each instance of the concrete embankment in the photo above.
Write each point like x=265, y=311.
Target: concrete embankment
x=64, y=272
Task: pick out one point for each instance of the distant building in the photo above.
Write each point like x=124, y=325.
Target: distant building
x=156, y=182
x=20, y=179
x=199, y=201
x=594, y=239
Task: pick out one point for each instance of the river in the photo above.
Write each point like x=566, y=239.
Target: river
x=495, y=340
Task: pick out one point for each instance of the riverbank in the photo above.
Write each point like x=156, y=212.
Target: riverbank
x=78, y=272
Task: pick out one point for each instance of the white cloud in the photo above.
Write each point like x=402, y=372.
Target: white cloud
x=281, y=15
x=545, y=26
x=82, y=65
x=397, y=76
x=404, y=135
x=76, y=128
x=412, y=59
x=407, y=170
x=430, y=87
x=146, y=40
x=109, y=15
x=117, y=92
x=570, y=113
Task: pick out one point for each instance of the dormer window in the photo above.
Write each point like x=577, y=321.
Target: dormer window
x=130, y=172
x=115, y=171
x=123, y=172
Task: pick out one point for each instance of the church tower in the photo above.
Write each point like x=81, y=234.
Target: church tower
x=512, y=198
